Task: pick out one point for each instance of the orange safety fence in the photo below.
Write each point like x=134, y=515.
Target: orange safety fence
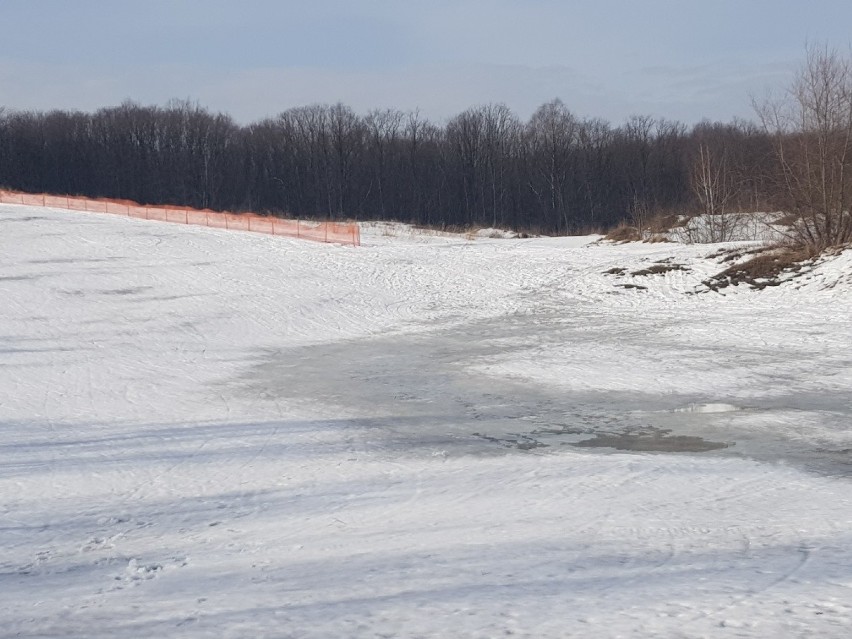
x=335, y=232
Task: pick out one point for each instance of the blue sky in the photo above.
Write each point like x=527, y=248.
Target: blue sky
x=606, y=58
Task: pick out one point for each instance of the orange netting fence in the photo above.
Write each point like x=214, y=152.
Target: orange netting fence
x=338, y=233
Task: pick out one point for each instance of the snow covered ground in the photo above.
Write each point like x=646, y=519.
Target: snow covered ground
x=215, y=434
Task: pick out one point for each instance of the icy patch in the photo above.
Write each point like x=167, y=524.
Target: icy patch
x=657, y=442
x=708, y=408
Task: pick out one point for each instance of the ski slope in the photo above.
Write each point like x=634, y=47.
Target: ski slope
x=214, y=434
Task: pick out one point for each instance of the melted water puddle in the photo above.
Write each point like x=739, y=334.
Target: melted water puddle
x=658, y=442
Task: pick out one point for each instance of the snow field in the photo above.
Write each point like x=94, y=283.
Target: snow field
x=209, y=434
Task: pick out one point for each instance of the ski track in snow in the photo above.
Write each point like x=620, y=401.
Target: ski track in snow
x=216, y=434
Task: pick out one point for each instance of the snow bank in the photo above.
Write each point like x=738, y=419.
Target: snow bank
x=730, y=227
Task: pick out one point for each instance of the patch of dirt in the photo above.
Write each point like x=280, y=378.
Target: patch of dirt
x=762, y=270
x=659, y=269
x=636, y=286
x=731, y=254
x=618, y=270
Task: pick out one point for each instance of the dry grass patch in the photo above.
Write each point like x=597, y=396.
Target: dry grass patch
x=651, y=230
x=731, y=254
x=659, y=226
x=623, y=233
x=659, y=269
x=762, y=270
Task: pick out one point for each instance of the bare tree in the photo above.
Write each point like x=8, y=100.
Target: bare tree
x=500, y=139
x=638, y=133
x=716, y=188
x=383, y=127
x=552, y=137
x=466, y=155
x=421, y=140
x=812, y=128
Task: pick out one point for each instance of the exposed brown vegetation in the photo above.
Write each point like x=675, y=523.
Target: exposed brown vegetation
x=763, y=269
x=663, y=223
x=731, y=254
x=624, y=232
x=659, y=269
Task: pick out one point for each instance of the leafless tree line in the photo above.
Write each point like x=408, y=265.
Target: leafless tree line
x=554, y=173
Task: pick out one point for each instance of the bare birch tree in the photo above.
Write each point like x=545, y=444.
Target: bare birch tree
x=716, y=188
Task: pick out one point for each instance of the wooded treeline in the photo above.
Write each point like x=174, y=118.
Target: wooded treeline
x=555, y=173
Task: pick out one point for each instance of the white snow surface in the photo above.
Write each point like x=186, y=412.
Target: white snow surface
x=743, y=227
x=216, y=434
